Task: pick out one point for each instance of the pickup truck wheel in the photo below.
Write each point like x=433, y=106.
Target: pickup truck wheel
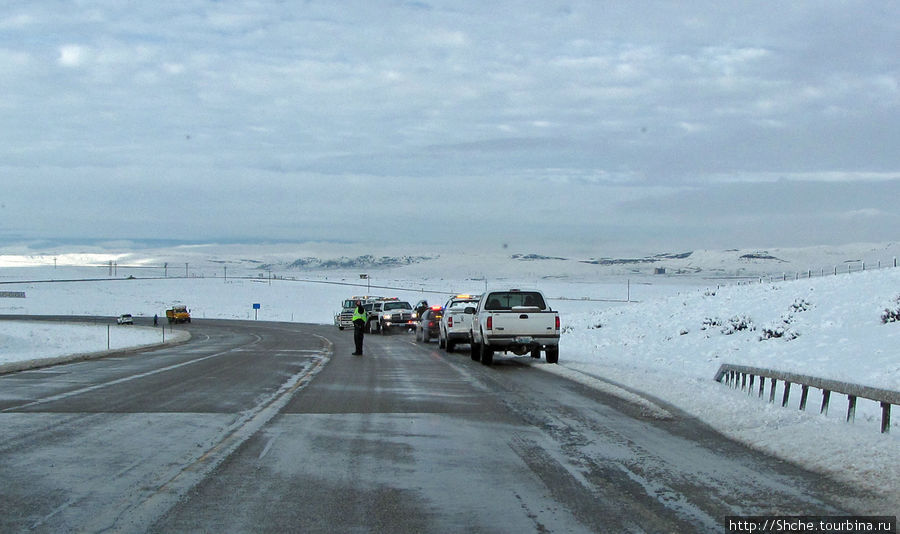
x=536, y=353
x=450, y=346
x=476, y=352
x=384, y=331
x=487, y=355
x=442, y=343
x=552, y=354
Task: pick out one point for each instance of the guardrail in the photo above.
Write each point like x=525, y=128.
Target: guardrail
x=743, y=377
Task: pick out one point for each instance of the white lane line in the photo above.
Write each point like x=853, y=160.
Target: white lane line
x=125, y=379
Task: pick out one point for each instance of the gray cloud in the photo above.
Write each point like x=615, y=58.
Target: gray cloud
x=641, y=122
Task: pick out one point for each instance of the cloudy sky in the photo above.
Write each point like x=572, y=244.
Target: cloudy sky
x=609, y=125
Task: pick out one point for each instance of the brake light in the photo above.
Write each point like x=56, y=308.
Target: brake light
x=490, y=323
x=450, y=322
x=557, y=322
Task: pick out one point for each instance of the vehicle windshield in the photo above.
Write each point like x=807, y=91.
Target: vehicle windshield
x=463, y=304
x=505, y=300
x=397, y=306
x=349, y=304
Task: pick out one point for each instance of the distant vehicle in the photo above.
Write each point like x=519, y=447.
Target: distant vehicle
x=455, y=324
x=125, y=318
x=178, y=314
x=516, y=321
x=344, y=318
x=429, y=323
x=394, y=314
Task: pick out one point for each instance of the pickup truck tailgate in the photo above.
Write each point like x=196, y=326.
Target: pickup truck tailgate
x=461, y=321
x=522, y=323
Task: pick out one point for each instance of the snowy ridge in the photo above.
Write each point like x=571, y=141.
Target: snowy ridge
x=211, y=260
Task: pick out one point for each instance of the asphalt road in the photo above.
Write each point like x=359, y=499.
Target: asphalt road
x=276, y=427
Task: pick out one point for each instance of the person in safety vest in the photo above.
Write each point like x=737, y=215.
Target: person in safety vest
x=359, y=326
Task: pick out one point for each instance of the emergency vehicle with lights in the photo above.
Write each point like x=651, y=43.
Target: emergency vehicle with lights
x=344, y=318
x=456, y=324
x=389, y=314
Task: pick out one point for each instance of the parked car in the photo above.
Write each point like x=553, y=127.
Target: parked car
x=125, y=318
x=455, y=324
x=395, y=315
x=514, y=321
x=430, y=324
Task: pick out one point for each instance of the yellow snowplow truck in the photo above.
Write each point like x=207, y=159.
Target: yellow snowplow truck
x=178, y=314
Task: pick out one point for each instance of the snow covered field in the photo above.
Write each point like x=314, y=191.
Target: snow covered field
x=666, y=347
x=25, y=342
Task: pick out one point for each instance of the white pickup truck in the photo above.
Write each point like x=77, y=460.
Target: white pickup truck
x=517, y=321
x=455, y=323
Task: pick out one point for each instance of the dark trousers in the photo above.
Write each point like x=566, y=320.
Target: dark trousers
x=358, y=337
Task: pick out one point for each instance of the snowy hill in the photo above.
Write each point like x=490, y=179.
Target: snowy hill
x=215, y=260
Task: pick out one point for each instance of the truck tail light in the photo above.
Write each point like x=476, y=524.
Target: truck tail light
x=450, y=322
x=490, y=323
x=557, y=322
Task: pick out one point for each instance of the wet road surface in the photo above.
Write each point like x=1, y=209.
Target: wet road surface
x=276, y=427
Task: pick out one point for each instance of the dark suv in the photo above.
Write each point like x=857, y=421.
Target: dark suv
x=429, y=324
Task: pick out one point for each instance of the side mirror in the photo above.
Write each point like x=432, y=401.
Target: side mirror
x=469, y=310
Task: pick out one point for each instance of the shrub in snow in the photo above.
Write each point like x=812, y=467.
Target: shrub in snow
x=780, y=331
x=710, y=322
x=738, y=323
x=892, y=315
x=800, y=305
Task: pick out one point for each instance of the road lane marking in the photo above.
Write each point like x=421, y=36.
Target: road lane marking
x=123, y=380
